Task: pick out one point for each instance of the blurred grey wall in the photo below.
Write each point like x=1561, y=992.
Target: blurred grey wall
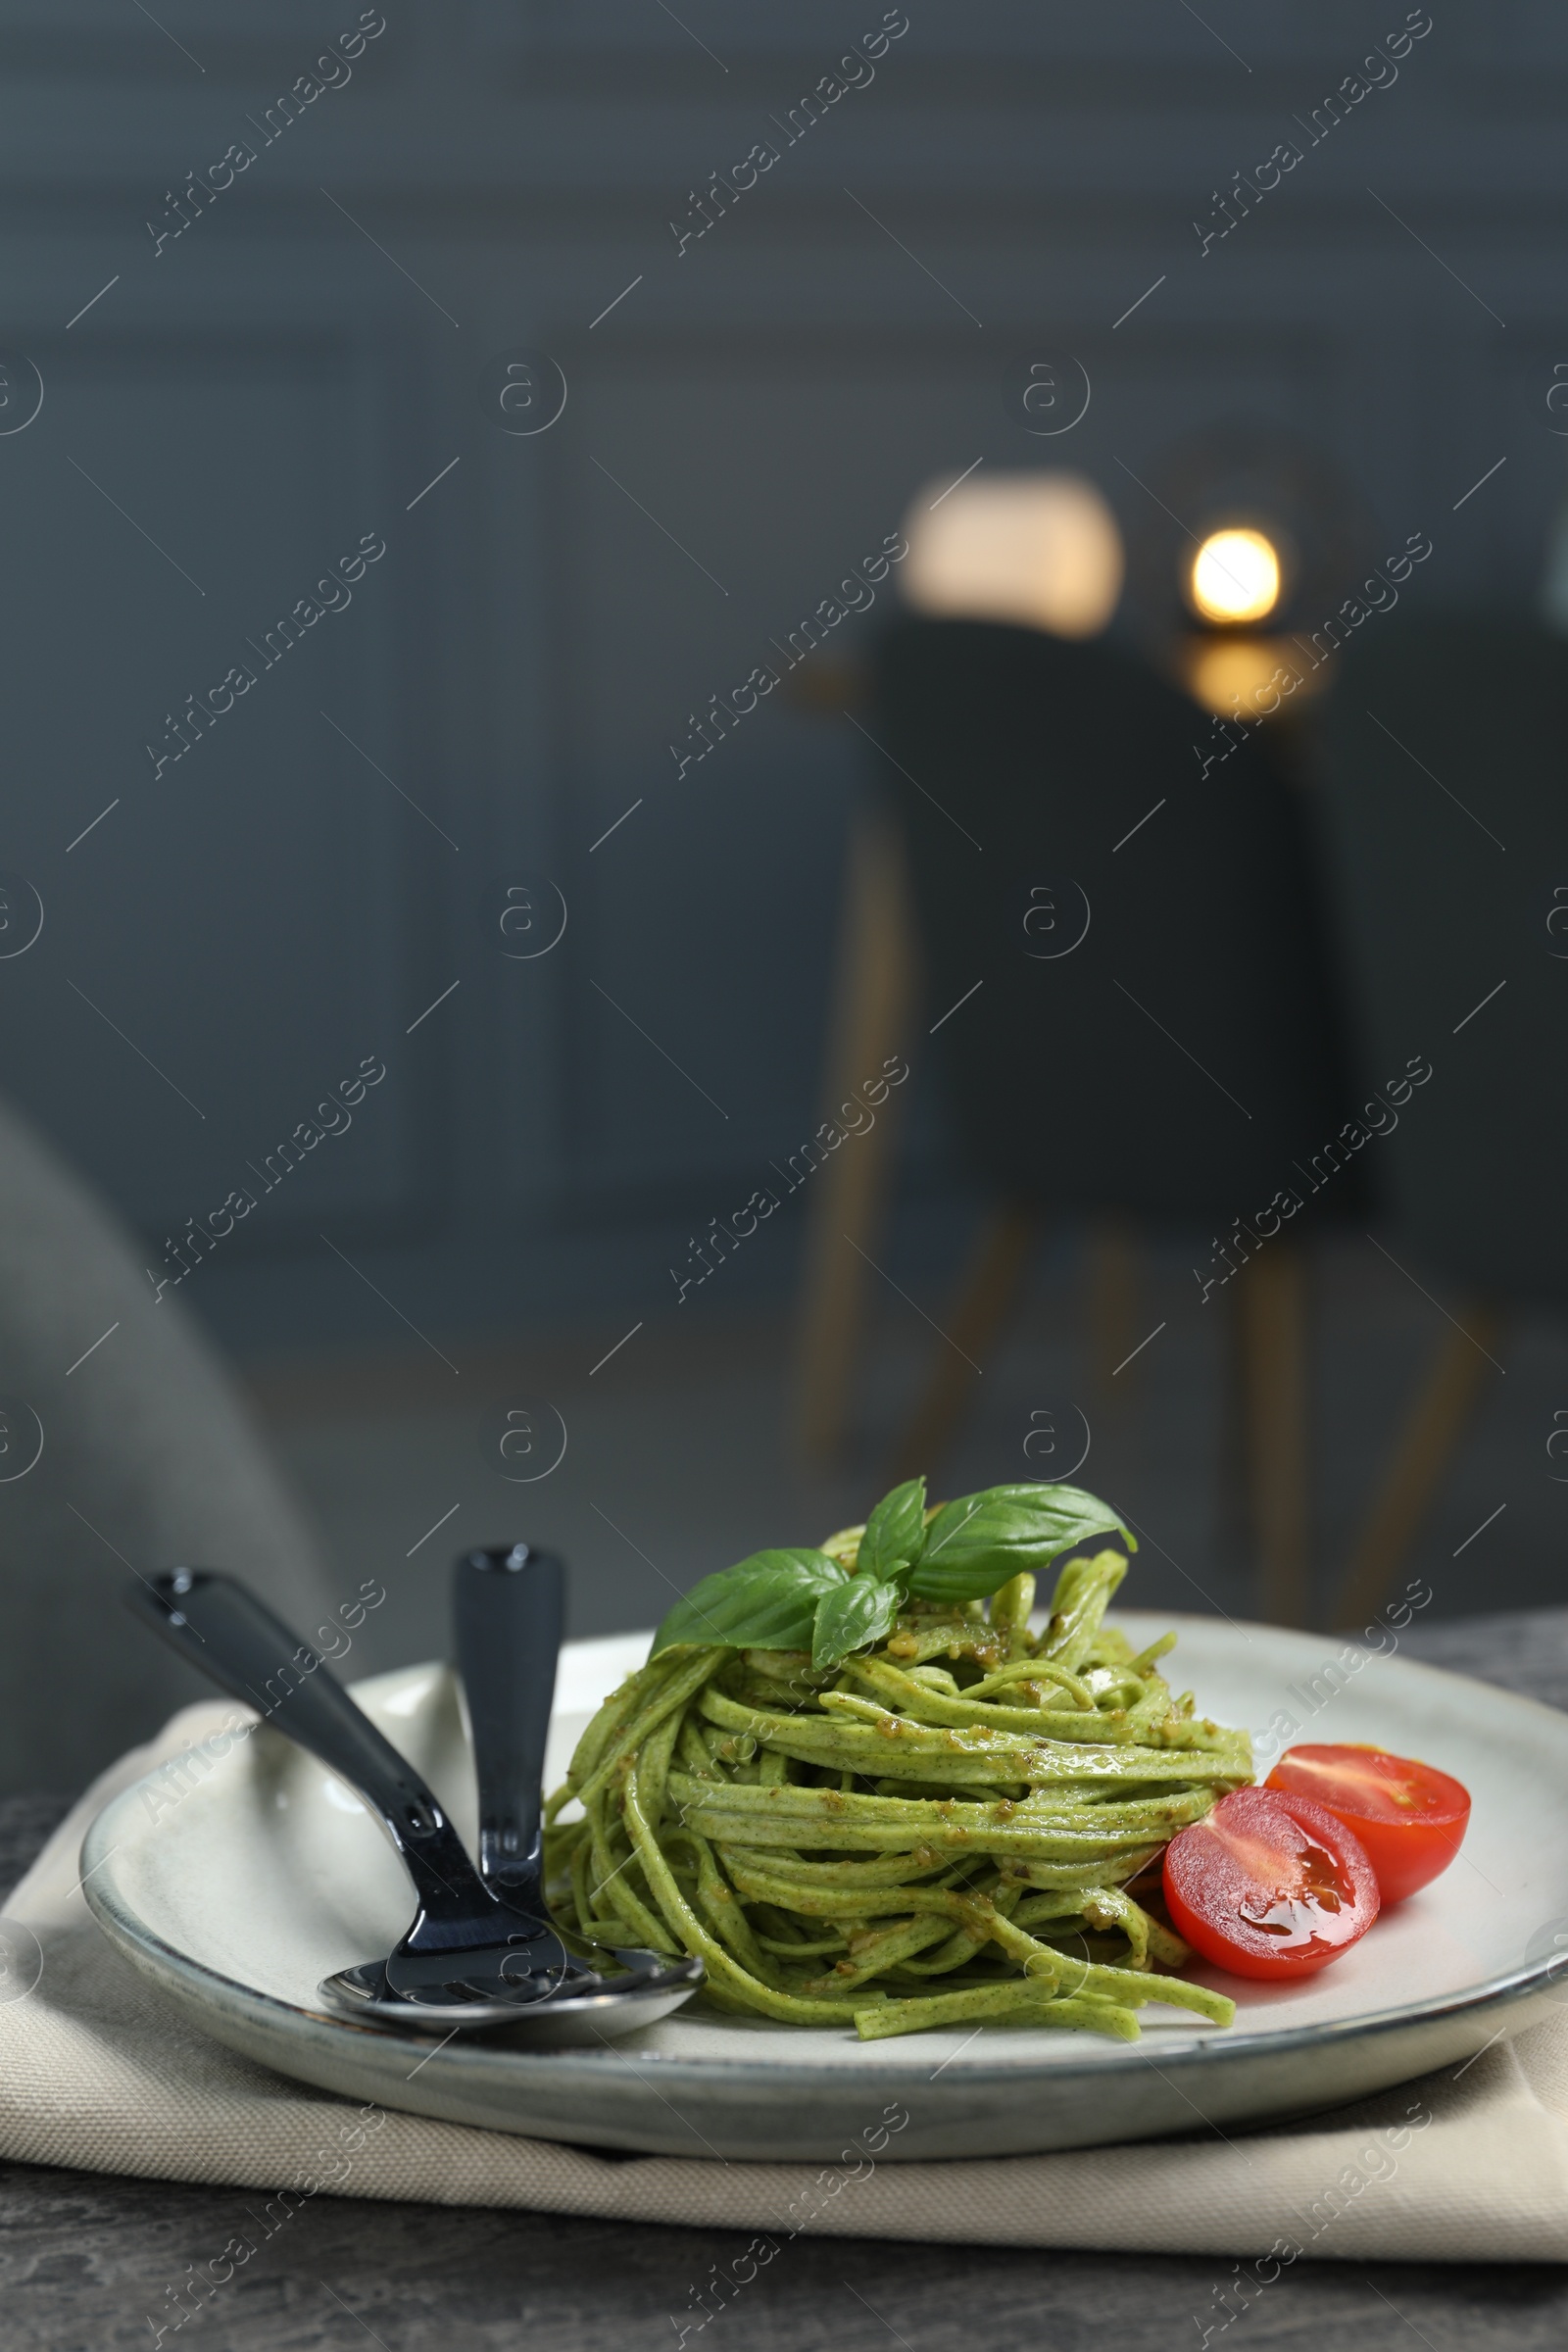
x=345, y=665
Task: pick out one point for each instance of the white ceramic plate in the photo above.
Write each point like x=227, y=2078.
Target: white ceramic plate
x=270, y=1874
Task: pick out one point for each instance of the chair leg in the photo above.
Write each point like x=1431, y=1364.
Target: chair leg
x=1111, y=1300
x=1272, y=1335
x=989, y=1287
x=873, y=995
x=1424, y=1450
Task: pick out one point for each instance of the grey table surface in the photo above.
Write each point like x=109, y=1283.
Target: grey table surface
x=86, y=2260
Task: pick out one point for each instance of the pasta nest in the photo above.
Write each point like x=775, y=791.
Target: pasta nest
x=965, y=1822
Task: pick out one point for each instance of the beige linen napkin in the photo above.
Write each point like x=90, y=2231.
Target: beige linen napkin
x=98, y=2070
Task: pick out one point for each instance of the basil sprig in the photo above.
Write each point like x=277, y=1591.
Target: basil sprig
x=895, y=1534
x=768, y=1601
x=974, y=1546
x=801, y=1600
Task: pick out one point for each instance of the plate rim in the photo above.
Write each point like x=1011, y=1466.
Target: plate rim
x=1205, y=2048
x=476, y=2051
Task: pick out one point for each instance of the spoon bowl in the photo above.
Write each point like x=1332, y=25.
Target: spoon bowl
x=603, y=2009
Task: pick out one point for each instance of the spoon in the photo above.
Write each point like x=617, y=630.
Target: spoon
x=506, y=1607
x=482, y=1951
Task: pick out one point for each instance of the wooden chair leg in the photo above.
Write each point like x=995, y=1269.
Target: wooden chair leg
x=874, y=1000
x=988, y=1289
x=1110, y=1286
x=1424, y=1451
x=1271, y=1336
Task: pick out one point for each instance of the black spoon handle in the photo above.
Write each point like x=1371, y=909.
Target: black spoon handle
x=507, y=1606
x=220, y=1627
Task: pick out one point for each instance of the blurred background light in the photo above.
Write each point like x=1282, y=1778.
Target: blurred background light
x=1040, y=550
x=1234, y=671
x=1235, y=577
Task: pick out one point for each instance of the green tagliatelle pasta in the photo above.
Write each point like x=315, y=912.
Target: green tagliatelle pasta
x=938, y=1828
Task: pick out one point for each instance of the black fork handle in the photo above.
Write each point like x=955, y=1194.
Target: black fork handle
x=220, y=1626
x=507, y=1606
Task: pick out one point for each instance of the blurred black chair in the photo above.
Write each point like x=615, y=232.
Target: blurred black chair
x=1444, y=794
x=1128, y=987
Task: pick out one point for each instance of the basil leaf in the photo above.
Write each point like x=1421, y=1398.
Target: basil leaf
x=766, y=1602
x=975, y=1544
x=852, y=1617
x=894, y=1533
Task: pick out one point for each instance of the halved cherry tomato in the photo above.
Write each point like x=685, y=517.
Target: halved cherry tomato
x=1409, y=1816
x=1270, y=1885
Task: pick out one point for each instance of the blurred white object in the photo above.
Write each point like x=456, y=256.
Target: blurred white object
x=1040, y=550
